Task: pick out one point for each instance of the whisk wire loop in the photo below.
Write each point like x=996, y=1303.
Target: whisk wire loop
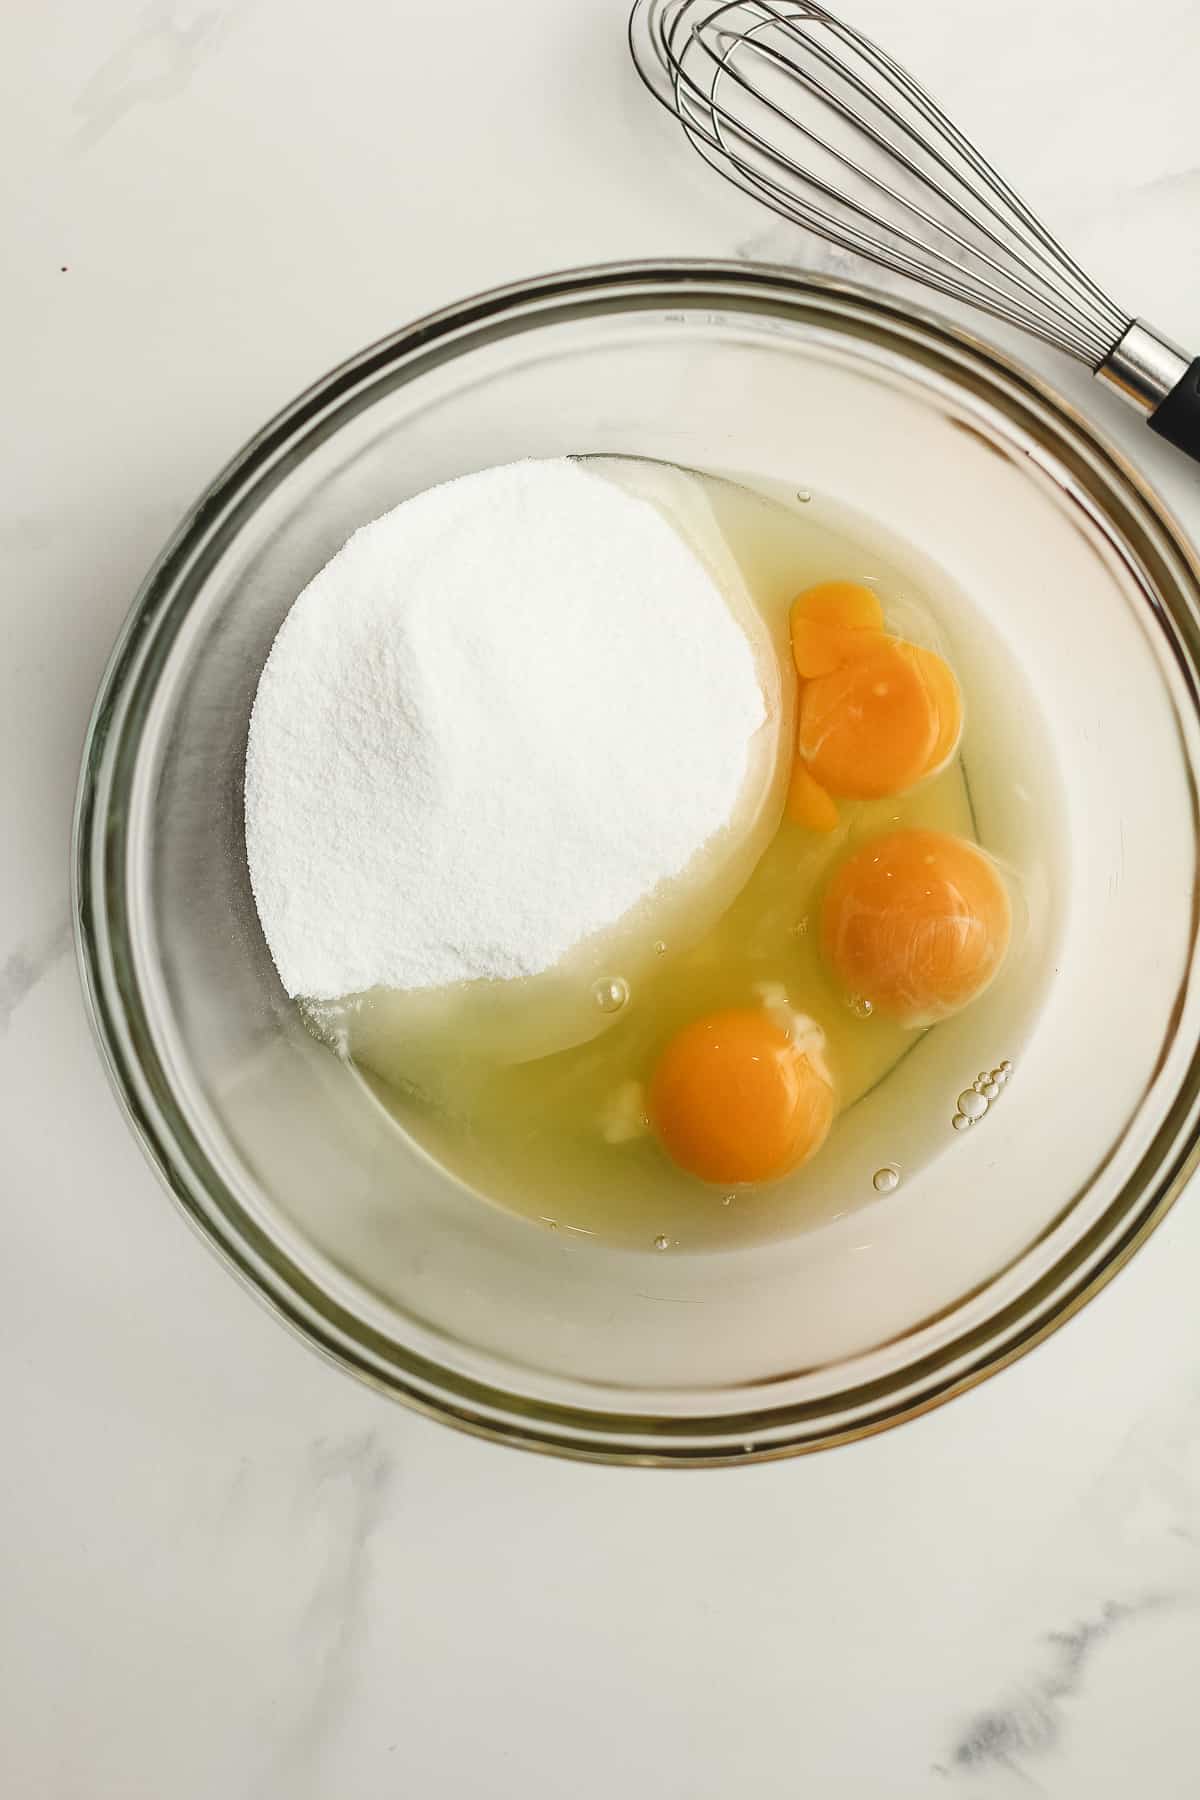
x=890, y=194
x=800, y=110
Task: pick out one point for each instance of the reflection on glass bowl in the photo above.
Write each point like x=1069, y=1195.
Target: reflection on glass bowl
x=356, y=1235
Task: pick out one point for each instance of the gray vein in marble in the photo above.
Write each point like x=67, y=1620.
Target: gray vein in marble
x=28, y=965
x=156, y=62
x=1026, y=1726
x=794, y=248
x=347, y=1481
x=783, y=242
x=1171, y=178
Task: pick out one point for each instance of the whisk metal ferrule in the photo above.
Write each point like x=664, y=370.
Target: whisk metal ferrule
x=1144, y=366
x=1157, y=377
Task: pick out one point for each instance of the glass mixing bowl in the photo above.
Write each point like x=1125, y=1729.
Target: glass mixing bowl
x=358, y=1238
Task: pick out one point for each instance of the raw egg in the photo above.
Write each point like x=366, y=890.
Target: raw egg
x=880, y=723
x=917, y=923
x=807, y=802
x=739, y=1097
x=837, y=622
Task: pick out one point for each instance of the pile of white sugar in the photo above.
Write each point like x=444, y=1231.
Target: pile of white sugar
x=501, y=716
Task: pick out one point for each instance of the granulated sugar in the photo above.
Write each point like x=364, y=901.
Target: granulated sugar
x=498, y=718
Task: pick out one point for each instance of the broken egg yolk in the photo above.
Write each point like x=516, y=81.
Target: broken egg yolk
x=738, y=1098
x=807, y=802
x=881, y=723
x=837, y=622
x=917, y=923
x=877, y=715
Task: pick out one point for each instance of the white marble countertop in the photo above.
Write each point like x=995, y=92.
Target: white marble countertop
x=227, y=1569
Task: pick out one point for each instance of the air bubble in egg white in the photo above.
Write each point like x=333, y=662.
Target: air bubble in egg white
x=611, y=994
x=971, y=1104
x=662, y=1243
x=886, y=1180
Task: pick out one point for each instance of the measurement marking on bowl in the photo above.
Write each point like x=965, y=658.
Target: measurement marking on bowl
x=975, y=1102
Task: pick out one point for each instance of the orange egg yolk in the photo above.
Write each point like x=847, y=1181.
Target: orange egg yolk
x=917, y=923
x=735, y=1098
x=881, y=723
x=834, y=623
x=807, y=802
x=877, y=715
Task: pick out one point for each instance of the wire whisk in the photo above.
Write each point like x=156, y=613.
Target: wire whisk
x=812, y=119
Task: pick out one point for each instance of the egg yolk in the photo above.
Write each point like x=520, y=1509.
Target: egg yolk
x=807, y=802
x=834, y=623
x=736, y=1098
x=877, y=715
x=917, y=922
x=880, y=723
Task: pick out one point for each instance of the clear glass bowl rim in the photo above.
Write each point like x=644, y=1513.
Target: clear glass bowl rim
x=102, y=924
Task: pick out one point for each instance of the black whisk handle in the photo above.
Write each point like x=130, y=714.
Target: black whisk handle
x=1159, y=378
x=1177, y=418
